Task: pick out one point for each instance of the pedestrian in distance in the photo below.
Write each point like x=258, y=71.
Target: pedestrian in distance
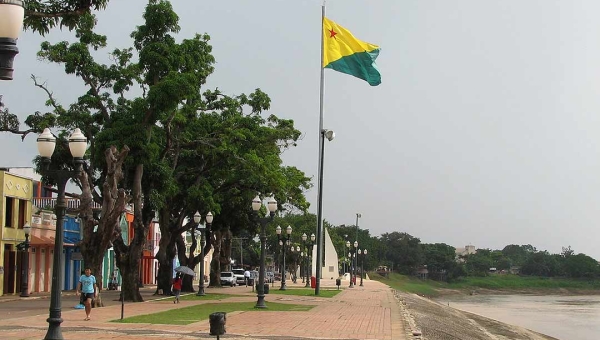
x=247, y=277
x=89, y=291
x=177, y=287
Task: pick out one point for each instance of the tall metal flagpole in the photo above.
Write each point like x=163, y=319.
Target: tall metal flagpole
x=319, y=262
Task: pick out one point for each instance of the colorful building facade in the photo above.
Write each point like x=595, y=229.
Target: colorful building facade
x=15, y=212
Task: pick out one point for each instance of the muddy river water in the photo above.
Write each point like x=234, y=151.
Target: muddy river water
x=562, y=317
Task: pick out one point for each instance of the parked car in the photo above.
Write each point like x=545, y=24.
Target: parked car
x=239, y=276
x=228, y=279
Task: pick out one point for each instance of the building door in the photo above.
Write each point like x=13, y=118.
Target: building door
x=9, y=269
x=42, y=271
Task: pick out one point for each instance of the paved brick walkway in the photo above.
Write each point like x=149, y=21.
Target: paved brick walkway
x=369, y=312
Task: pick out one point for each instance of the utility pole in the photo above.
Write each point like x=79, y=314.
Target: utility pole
x=241, y=239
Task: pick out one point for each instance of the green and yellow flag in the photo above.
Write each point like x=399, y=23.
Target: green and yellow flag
x=344, y=53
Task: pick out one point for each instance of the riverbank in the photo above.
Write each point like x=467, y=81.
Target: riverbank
x=436, y=321
x=441, y=292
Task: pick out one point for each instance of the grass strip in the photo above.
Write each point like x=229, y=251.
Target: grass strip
x=326, y=293
x=191, y=314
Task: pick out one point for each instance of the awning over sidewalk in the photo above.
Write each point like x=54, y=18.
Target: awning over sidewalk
x=49, y=240
x=41, y=240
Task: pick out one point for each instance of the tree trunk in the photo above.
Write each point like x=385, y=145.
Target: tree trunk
x=128, y=256
x=215, y=264
x=95, y=242
x=165, y=254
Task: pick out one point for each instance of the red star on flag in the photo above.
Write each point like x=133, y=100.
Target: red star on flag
x=332, y=33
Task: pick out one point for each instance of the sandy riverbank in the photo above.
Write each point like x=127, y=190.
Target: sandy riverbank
x=439, y=322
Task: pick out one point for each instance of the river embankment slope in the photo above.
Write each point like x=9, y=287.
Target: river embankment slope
x=436, y=321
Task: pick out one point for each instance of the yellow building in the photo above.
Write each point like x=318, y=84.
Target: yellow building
x=15, y=212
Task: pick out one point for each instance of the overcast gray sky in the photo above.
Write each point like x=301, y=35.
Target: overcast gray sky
x=484, y=131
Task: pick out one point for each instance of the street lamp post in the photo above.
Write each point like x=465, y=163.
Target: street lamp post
x=309, y=251
x=208, y=219
x=362, y=264
x=348, y=245
x=272, y=208
x=25, y=270
x=286, y=241
x=293, y=273
x=355, y=261
x=46, y=143
x=303, y=261
x=12, y=14
x=352, y=256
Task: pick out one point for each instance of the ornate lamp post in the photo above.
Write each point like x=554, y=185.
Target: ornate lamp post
x=286, y=241
x=303, y=261
x=25, y=270
x=309, y=250
x=12, y=14
x=208, y=219
x=355, y=262
x=46, y=144
x=350, y=257
x=362, y=263
x=272, y=208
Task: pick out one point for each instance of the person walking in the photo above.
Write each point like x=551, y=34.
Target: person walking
x=177, y=287
x=89, y=291
x=247, y=277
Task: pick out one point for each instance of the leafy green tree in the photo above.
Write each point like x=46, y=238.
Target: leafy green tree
x=479, y=264
x=42, y=15
x=518, y=254
x=403, y=250
x=440, y=258
x=541, y=263
x=581, y=266
x=182, y=150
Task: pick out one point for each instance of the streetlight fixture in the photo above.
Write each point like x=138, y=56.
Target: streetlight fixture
x=303, y=262
x=286, y=241
x=309, y=251
x=272, y=208
x=197, y=219
x=25, y=270
x=362, y=264
x=355, y=262
x=46, y=143
x=330, y=135
x=12, y=14
x=350, y=257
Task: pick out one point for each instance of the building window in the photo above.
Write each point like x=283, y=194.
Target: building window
x=8, y=212
x=22, y=213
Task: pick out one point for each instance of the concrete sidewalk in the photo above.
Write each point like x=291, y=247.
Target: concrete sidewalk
x=369, y=312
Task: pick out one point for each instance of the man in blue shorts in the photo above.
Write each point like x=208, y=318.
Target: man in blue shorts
x=89, y=290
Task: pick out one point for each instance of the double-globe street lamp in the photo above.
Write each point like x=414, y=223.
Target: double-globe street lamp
x=271, y=208
x=25, y=269
x=46, y=143
x=201, y=229
x=12, y=14
x=284, y=240
x=309, y=250
x=362, y=264
x=293, y=276
x=352, y=255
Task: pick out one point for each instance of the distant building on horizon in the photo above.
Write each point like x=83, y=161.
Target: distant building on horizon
x=461, y=252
